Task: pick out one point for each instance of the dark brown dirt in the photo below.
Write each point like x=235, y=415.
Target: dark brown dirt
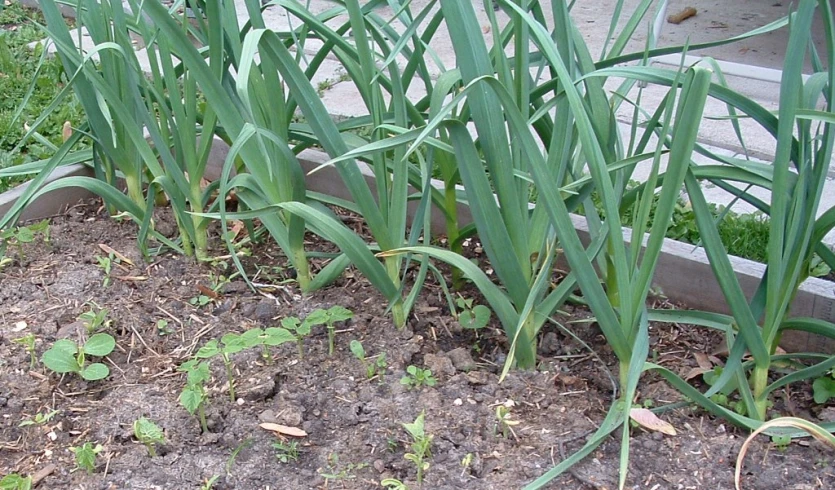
x=353, y=424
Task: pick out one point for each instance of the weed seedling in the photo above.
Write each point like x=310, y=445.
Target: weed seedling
x=94, y=319
x=200, y=300
x=372, y=367
x=472, y=317
x=416, y=377
x=106, y=265
x=149, y=434
x=341, y=472
x=40, y=418
x=329, y=318
x=272, y=337
x=16, y=237
x=194, y=396
x=235, y=452
x=393, y=484
x=505, y=419
x=421, y=443
x=14, y=481
x=28, y=343
x=286, y=451
x=823, y=388
x=232, y=343
x=66, y=356
x=781, y=442
x=163, y=329
x=300, y=330
x=208, y=484
x=85, y=456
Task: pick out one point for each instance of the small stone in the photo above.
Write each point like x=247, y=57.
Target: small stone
x=550, y=343
x=478, y=378
x=265, y=311
x=70, y=331
x=461, y=359
x=290, y=414
x=827, y=414
x=267, y=416
x=439, y=364
x=379, y=465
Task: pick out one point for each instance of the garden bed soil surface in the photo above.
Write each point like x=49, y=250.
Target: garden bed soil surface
x=353, y=424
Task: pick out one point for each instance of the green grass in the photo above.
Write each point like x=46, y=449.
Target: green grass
x=18, y=67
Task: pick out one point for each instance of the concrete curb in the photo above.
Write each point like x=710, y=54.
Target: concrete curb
x=683, y=273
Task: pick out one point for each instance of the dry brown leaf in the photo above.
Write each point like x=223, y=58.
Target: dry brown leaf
x=109, y=250
x=695, y=372
x=645, y=418
x=66, y=131
x=283, y=430
x=702, y=360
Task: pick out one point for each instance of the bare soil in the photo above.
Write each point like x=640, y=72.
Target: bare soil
x=353, y=424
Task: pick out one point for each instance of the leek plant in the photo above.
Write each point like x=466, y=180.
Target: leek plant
x=803, y=129
x=122, y=105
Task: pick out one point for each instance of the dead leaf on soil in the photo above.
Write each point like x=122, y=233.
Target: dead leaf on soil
x=66, y=131
x=110, y=250
x=696, y=372
x=648, y=420
x=703, y=361
x=283, y=430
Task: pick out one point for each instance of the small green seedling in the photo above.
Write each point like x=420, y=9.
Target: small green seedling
x=393, y=484
x=149, y=434
x=505, y=418
x=329, y=318
x=232, y=343
x=372, y=367
x=300, y=330
x=28, y=343
x=472, y=317
x=286, y=452
x=420, y=446
x=200, y=300
x=208, y=484
x=416, y=377
x=85, y=456
x=823, y=388
x=194, y=397
x=40, y=418
x=337, y=471
x=163, y=329
x=106, y=265
x=272, y=337
x=94, y=319
x=13, y=481
x=16, y=237
x=66, y=356
x=781, y=442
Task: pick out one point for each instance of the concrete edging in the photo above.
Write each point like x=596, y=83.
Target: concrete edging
x=683, y=273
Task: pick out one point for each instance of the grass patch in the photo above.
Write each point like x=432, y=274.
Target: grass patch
x=19, y=65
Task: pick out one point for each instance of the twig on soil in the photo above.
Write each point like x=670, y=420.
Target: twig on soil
x=142, y=340
x=183, y=351
x=43, y=473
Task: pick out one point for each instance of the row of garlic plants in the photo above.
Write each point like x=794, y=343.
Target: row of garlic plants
x=525, y=112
